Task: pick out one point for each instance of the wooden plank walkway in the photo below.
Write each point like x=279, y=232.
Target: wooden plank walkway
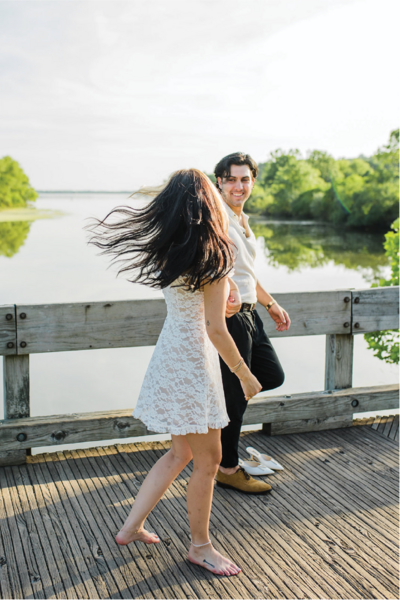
x=329, y=528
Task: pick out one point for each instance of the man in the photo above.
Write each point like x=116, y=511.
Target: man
x=235, y=176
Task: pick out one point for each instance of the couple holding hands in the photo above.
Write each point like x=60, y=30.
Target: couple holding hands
x=194, y=242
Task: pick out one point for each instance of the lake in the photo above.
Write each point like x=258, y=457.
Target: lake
x=48, y=260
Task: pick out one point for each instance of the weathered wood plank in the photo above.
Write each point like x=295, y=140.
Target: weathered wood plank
x=308, y=494
x=90, y=325
x=394, y=428
x=231, y=539
x=115, y=489
x=376, y=309
x=8, y=330
x=108, y=425
x=120, y=324
x=73, y=428
x=304, y=425
x=16, y=401
x=16, y=387
x=339, y=362
x=32, y=544
x=338, y=375
x=320, y=404
x=312, y=313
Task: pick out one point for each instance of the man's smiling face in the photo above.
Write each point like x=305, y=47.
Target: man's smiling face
x=236, y=188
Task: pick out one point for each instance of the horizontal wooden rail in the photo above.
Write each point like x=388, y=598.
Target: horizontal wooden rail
x=30, y=329
x=17, y=434
x=37, y=328
x=87, y=326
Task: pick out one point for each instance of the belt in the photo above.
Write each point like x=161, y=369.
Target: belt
x=247, y=307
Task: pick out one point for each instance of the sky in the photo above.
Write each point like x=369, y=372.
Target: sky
x=115, y=94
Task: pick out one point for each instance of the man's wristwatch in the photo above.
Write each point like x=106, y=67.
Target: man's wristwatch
x=268, y=306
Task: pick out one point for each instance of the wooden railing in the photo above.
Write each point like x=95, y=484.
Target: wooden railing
x=30, y=329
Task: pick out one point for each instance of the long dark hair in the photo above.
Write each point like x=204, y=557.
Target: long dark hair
x=182, y=231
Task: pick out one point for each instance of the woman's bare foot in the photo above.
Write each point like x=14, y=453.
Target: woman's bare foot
x=213, y=561
x=126, y=536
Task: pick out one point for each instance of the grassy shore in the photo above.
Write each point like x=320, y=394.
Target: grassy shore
x=28, y=214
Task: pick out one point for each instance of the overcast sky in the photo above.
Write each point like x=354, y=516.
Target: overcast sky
x=110, y=94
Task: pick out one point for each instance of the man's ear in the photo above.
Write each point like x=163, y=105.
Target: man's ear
x=219, y=181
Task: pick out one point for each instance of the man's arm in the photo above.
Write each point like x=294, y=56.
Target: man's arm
x=276, y=312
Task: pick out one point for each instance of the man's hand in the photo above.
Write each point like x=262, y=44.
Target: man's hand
x=280, y=316
x=233, y=303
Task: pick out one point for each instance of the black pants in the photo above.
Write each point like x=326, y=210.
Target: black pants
x=248, y=333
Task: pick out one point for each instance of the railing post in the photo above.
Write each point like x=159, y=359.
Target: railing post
x=339, y=361
x=16, y=400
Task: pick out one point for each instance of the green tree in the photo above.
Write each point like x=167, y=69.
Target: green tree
x=15, y=189
x=290, y=185
x=12, y=236
x=357, y=193
x=385, y=344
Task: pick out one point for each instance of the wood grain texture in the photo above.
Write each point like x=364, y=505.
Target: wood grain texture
x=90, y=325
x=339, y=361
x=303, y=425
x=72, y=428
x=376, y=309
x=108, y=425
x=8, y=330
x=327, y=530
x=16, y=387
x=120, y=324
x=320, y=404
x=311, y=313
x=16, y=401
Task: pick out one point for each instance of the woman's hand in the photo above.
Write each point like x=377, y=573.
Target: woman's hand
x=233, y=303
x=250, y=384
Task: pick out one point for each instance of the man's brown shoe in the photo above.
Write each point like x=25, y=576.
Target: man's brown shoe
x=242, y=482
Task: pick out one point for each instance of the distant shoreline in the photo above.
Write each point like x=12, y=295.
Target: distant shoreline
x=82, y=192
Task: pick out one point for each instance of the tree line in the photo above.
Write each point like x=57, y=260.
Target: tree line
x=15, y=189
x=360, y=192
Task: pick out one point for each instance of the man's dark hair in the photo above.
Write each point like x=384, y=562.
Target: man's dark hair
x=223, y=168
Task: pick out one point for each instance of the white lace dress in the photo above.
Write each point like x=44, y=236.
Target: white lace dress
x=182, y=390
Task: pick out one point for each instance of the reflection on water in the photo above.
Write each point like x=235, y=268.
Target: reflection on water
x=13, y=235
x=296, y=245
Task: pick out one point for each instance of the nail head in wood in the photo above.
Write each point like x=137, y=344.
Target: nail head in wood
x=58, y=435
x=356, y=300
x=346, y=299
x=9, y=317
x=10, y=344
x=21, y=437
x=22, y=316
x=356, y=325
x=347, y=324
x=23, y=344
x=355, y=403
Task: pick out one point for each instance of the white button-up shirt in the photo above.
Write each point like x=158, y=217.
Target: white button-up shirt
x=245, y=252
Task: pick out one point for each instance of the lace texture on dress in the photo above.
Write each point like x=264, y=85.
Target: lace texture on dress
x=182, y=390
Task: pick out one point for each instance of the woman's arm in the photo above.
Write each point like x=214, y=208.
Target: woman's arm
x=214, y=308
x=234, y=301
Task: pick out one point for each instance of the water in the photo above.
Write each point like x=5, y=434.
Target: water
x=49, y=261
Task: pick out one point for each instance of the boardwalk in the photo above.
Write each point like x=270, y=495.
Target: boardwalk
x=327, y=530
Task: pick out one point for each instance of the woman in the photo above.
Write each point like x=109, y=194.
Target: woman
x=178, y=242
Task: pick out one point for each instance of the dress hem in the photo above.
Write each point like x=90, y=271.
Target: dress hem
x=186, y=430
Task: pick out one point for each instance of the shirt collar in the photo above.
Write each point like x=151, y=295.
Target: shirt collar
x=233, y=215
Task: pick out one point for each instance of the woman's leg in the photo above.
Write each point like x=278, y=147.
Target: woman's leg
x=160, y=477
x=206, y=450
